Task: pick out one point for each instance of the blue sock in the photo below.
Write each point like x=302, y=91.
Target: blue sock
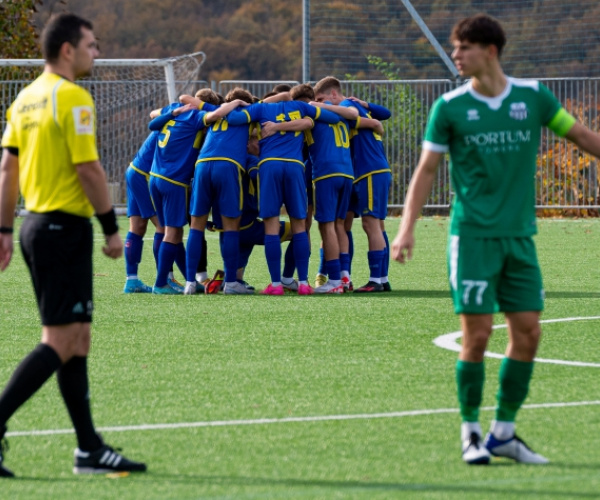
x=350, y=250
x=385, y=264
x=245, y=252
x=334, y=269
x=322, y=264
x=180, y=258
x=133, y=253
x=158, y=237
x=166, y=257
x=345, y=262
x=273, y=255
x=302, y=254
x=193, y=253
x=375, y=257
x=231, y=253
x=289, y=262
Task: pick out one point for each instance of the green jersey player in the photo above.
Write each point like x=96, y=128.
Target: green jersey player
x=491, y=127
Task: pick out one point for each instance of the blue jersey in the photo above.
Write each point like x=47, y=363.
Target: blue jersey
x=143, y=159
x=329, y=150
x=226, y=142
x=178, y=145
x=284, y=146
x=368, y=154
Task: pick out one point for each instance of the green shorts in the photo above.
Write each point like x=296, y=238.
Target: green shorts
x=489, y=275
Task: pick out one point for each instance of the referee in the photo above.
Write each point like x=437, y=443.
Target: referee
x=49, y=152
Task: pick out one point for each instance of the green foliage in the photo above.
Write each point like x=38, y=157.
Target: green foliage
x=18, y=37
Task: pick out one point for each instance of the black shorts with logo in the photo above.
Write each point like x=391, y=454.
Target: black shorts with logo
x=57, y=248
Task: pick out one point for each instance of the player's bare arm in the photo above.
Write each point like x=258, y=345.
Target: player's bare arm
x=364, y=104
x=418, y=191
x=371, y=123
x=270, y=128
x=347, y=112
x=9, y=193
x=223, y=110
x=584, y=138
x=281, y=97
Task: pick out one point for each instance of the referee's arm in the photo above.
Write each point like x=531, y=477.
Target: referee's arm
x=9, y=193
x=93, y=181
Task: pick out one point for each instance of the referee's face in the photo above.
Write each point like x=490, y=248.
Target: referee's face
x=85, y=53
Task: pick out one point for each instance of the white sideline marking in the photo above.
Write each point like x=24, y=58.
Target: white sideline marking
x=264, y=421
x=448, y=341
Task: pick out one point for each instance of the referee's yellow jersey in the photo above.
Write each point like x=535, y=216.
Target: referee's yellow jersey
x=52, y=123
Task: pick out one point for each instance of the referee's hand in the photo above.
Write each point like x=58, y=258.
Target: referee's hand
x=6, y=250
x=114, y=246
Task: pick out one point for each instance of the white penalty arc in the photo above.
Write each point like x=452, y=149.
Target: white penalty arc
x=449, y=342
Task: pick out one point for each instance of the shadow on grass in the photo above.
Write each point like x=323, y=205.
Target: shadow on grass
x=573, y=295
x=500, y=490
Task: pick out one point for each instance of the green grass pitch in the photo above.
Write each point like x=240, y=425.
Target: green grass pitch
x=321, y=397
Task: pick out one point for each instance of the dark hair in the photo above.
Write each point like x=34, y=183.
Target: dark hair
x=282, y=87
x=208, y=95
x=302, y=91
x=480, y=28
x=61, y=28
x=239, y=93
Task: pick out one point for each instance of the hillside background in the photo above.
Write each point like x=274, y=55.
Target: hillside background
x=262, y=39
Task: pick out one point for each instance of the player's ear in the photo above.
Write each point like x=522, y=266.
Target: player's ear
x=492, y=51
x=67, y=50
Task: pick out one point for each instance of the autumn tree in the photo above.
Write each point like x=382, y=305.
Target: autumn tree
x=17, y=30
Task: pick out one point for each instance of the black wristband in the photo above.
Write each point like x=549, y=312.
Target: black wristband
x=108, y=222
x=6, y=230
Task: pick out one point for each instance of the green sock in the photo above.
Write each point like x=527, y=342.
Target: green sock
x=514, y=379
x=469, y=380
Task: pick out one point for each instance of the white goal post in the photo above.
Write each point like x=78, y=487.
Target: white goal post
x=125, y=91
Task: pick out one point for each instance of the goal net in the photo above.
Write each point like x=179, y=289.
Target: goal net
x=125, y=91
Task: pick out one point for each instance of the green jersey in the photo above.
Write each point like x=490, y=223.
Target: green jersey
x=493, y=144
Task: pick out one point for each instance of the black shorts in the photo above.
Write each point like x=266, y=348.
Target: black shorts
x=57, y=248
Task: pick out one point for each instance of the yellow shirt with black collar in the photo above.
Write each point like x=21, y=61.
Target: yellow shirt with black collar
x=52, y=123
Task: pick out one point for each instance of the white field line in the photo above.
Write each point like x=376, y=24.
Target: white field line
x=449, y=341
x=265, y=421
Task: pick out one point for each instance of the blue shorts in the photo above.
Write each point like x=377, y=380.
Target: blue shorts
x=254, y=234
x=170, y=200
x=332, y=198
x=279, y=183
x=373, y=192
x=138, y=195
x=217, y=185
x=309, y=182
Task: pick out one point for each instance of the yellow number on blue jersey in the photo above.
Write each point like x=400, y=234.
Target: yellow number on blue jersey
x=165, y=130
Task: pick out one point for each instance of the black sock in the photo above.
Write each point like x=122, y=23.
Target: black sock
x=73, y=384
x=203, y=264
x=29, y=376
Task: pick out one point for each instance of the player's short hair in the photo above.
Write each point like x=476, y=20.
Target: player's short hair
x=327, y=84
x=239, y=93
x=480, y=28
x=269, y=94
x=61, y=28
x=282, y=87
x=221, y=98
x=208, y=95
x=301, y=92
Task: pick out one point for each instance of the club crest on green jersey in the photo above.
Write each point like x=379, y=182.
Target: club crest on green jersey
x=518, y=111
x=472, y=114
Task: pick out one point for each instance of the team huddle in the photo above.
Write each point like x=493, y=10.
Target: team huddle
x=311, y=150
